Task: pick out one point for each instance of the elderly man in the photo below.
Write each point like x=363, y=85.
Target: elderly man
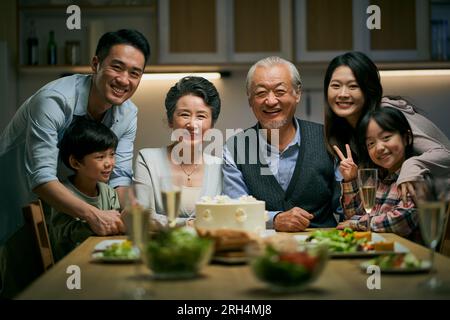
x=29, y=144
x=287, y=165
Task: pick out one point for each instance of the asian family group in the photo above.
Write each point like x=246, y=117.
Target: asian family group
x=87, y=124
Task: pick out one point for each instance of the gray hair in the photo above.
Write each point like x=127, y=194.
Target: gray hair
x=270, y=62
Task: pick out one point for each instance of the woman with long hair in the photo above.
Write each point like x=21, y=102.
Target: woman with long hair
x=352, y=88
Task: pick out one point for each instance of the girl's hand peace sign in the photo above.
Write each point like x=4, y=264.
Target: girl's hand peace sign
x=347, y=167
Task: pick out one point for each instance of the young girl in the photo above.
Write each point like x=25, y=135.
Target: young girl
x=385, y=142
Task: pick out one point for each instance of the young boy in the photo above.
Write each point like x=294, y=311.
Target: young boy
x=88, y=148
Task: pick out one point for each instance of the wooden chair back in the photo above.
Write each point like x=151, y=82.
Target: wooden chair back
x=34, y=217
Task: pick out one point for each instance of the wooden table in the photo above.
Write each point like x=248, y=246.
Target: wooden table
x=341, y=279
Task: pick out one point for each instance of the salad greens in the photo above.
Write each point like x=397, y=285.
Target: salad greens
x=394, y=261
x=339, y=240
x=271, y=268
x=121, y=250
x=177, y=250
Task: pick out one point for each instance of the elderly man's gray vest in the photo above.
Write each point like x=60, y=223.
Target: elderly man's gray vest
x=313, y=186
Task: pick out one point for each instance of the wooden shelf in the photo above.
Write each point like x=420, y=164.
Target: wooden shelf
x=60, y=69
x=416, y=65
x=99, y=9
x=308, y=66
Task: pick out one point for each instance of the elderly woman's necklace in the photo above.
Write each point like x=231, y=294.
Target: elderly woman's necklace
x=188, y=174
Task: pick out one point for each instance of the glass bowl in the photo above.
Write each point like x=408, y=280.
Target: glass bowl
x=291, y=268
x=177, y=253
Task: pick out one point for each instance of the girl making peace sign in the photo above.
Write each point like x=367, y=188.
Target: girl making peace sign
x=385, y=142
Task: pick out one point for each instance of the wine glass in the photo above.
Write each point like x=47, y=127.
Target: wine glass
x=368, y=182
x=136, y=216
x=432, y=196
x=171, y=186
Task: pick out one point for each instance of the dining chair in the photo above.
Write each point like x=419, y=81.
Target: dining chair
x=34, y=217
x=445, y=240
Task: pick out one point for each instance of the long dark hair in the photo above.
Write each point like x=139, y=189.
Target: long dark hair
x=389, y=119
x=337, y=130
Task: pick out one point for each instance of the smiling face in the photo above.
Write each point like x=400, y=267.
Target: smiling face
x=272, y=96
x=96, y=166
x=117, y=77
x=191, y=113
x=345, y=97
x=386, y=149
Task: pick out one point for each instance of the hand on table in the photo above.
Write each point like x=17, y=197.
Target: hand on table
x=293, y=220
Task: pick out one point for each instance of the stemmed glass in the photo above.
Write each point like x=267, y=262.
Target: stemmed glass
x=171, y=186
x=432, y=196
x=137, y=219
x=368, y=182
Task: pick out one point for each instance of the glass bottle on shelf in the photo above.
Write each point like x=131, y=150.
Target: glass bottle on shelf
x=52, y=49
x=72, y=52
x=32, y=45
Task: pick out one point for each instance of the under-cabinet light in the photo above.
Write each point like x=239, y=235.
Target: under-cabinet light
x=415, y=73
x=178, y=76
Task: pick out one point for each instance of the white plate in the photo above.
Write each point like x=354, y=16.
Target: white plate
x=102, y=245
x=97, y=255
x=230, y=260
x=425, y=266
x=398, y=248
x=267, y=233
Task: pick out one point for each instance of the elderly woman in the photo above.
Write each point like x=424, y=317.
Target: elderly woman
x=192, y=108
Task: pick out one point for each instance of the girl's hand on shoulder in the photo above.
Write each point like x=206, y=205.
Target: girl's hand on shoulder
x=347, y=167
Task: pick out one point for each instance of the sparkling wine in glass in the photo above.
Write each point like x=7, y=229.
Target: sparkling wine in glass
x=171, y=187
x=137, y=215
x=432, y=197
x=368, y=182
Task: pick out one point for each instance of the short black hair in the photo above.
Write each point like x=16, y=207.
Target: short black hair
x=389, y=119
x=196, y=86
x=123, y=36
x=84, y=137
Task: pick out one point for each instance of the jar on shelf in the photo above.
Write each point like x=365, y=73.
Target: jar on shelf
x=72, y=50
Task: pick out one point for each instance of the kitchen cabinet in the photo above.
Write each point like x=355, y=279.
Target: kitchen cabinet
x=440, y=30
x=404, y=33
x=221, y=31
x=192, y=31
x=260, y=28
x=326, y=28
x=97, y=17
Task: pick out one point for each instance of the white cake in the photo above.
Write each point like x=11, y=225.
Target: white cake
x=245, y=213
